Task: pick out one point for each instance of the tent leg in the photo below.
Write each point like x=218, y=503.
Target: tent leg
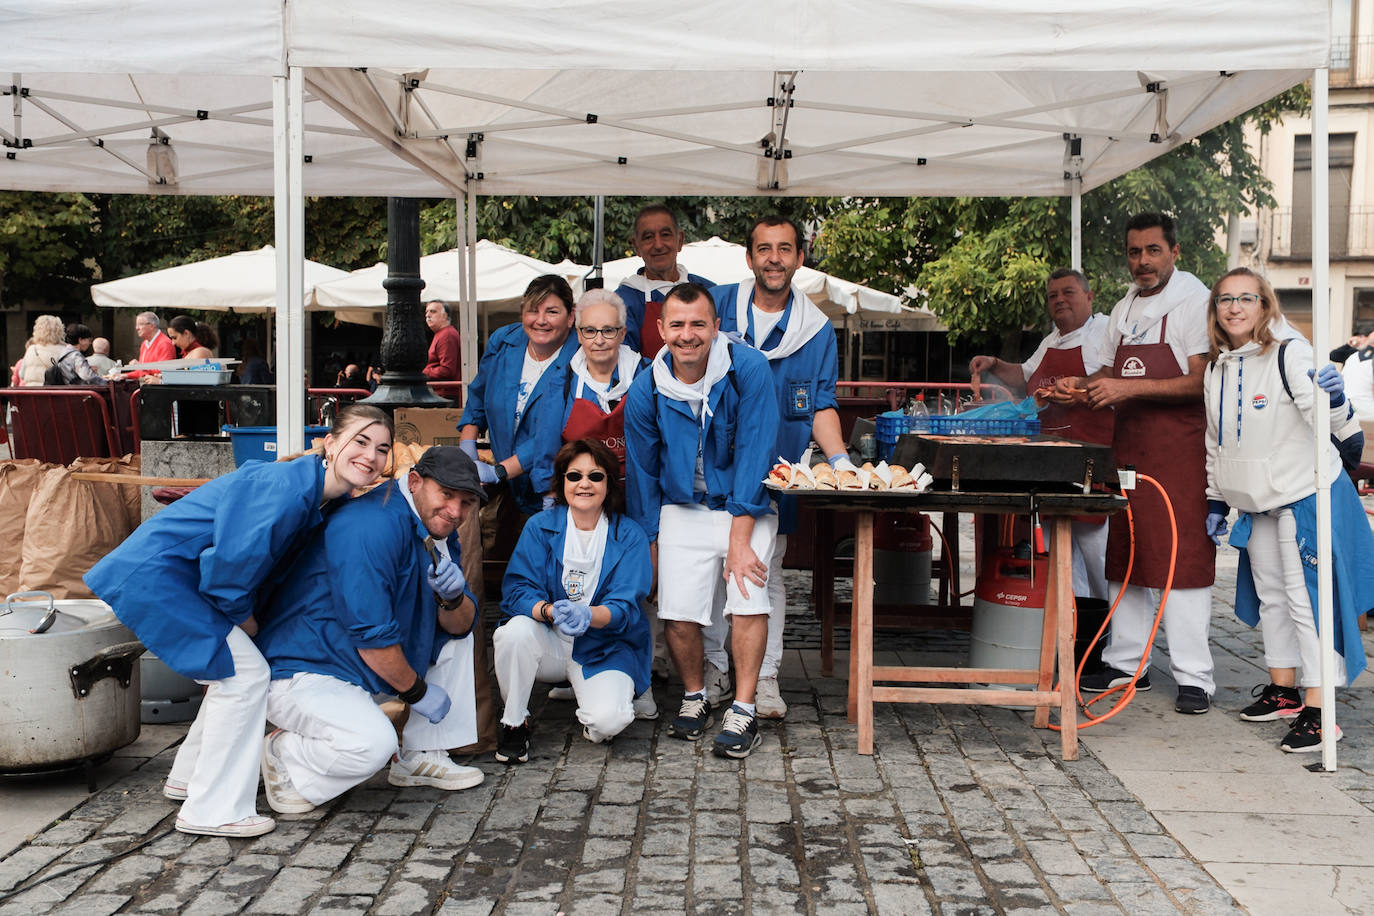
x=287, y=141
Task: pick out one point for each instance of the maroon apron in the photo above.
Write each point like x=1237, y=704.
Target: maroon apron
x=1071, y=421
x=650, y=341
x=587, y=420
x=1167, y=442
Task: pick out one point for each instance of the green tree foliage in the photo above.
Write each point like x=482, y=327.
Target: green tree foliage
x=982, y=262
x=45, y=246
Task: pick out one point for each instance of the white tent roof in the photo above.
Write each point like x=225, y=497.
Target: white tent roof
x=723, y=262
x=502, y=275
x=908, y=97
x=245, y=281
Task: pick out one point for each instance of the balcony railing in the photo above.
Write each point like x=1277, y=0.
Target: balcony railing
x=1352, y=233
x=1352, y=61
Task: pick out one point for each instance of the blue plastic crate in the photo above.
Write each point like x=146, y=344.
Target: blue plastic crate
x=888, y=428
x=956, y=425
x=259, y=443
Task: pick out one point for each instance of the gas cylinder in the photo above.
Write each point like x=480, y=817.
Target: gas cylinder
x=901, y=558
x=1008, y=612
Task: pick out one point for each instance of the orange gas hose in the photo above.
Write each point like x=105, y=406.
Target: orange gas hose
x=1127, y=690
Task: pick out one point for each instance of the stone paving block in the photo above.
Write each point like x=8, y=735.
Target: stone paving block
x=247, y=874
x=287, y=838
x=208, y=851
x=360, y=878
x=940, y=852
x=621, y=792
x=1056, y=857
x=321, y=855
x=365, y=798
x=576, y=778
x=602, y=881
x=1179, y=873
x=125, y=876
x=948, y=881
x=1205, y=901
x=658, y=898
x=448, y=832
x=404, y=898
x=821, y=813
x=1033, y=822
x=479, y=906
x=986, y=846
x=716, y=849
x=90, y=904
x=675, y=807
x=1143, y=898
x=341, y=906
x=290, y=891
x=717, y=882
x=669, y=869
x=1077, y=887
x=67, y=832
x=1102, y=842
x=1114, y=869
x=513, y=814
x=1130, y=818
x=26, y=862
x=605, y=850
x=561, y=805
x=345, y=827
x=615, y=821
x=386, y=847
x=595, y=905
x=899, y=900
x=1005, y=875
x=870, y=809
x=890, y=863
x=768, y=805
x=1150, y=846
x=717, y=791
x=170, y=845
x=214, y=903
x=407, y=815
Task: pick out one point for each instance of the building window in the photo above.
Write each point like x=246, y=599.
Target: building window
x=1341, y=164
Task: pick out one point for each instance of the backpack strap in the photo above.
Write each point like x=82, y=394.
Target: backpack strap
x=1283, y=375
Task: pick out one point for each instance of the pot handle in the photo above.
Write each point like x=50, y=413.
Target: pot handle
x=115, y=661
x=48, y=618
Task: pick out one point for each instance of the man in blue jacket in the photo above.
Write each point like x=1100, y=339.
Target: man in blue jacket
x=776, y=318
x=364, y=611
x=700, y=426
x=658, y=241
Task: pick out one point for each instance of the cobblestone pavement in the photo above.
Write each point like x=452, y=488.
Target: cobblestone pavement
x=962, y=810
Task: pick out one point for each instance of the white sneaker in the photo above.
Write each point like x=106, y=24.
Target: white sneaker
x=718, y=686
x=644, y=705
x=434, y=769
x=768, y=702
x=561, y=693
x=174, y=789
x=254, y=825
x=281, y=792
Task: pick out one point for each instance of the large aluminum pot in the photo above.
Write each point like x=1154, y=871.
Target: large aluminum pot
x=69, y=686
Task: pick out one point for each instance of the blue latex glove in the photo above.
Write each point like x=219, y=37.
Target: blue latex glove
x=1330, y=380
x=486, y=473
x=1216, y=519
x=447, y=579
x=571, y=618
x=469, y=447
x=434, y=704
x=841, y=462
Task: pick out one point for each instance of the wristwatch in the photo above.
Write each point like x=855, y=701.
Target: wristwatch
x=501, y=473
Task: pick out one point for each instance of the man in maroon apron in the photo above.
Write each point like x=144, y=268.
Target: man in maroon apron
x=1153, y=360
x=658, y=241
x=1069, y=351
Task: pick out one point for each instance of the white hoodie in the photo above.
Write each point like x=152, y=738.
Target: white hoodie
x=1259, y=440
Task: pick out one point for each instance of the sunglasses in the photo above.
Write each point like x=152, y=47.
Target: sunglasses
x=593, y=476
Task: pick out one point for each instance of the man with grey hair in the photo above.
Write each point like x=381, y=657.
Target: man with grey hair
x=445, y=350
x=99, y=357
x=1070, y=350
x=154, y=346
x=657, y=240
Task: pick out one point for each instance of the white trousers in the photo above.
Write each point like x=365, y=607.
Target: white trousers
x=335, y=736
x=526, y=651
x=692, y=545
x=1187, y=621
x=1290, y=633
x=219, y=759
x=777, y=610
x=1090, y=560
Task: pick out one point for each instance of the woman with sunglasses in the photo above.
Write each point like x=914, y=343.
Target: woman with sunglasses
x=600, y=373
x=188, y=583
x=572, y=596
x=1260, y=418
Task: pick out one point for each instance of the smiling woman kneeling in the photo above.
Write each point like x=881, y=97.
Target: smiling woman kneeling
x=572, y=597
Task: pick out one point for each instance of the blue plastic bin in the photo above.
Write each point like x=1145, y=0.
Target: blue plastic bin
x=889, y=428
x=259, y=443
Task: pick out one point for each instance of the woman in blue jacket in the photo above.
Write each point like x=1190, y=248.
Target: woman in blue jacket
x=517, y=396
x=188, y=581
x=572, y=597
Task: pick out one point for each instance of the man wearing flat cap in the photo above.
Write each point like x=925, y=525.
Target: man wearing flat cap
x=376, y=604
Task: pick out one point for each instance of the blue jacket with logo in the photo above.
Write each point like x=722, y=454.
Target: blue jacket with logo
x=491, y=406
x=662, y=437
x=535, y=573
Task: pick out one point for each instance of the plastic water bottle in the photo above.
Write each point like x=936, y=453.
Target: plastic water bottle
x=920, y=417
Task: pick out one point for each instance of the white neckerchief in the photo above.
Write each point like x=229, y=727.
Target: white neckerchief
x=582, y=565
x=698, y=399
x=648, y=287
x=626, y=362
x=1182, y=288
x=805, y=322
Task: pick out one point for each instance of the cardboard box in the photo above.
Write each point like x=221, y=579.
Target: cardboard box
x=1368, y=427
x=428, y=425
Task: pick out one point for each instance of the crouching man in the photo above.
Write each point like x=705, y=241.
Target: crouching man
x=366, y=611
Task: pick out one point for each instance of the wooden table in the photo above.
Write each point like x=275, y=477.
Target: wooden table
x=1056, y=510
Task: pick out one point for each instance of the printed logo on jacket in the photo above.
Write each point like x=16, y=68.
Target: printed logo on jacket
x=1260, y=402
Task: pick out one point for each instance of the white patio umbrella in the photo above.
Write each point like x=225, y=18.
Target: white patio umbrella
x=502, y=275
x=723, y=262
x=245, y=281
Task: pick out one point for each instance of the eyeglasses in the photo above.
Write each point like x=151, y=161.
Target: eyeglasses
x=1246, y=299
x=592, y=333
x=593, y=476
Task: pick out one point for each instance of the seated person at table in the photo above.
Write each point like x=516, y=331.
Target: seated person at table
x=194, y=339
x=51, y=349
x=572, y=597
x=366, y=611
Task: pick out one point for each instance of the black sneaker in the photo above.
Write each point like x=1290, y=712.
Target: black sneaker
x=514, y=744
x=738, y=735
x=1192, y=701
x=1274, y=702
x=693, y=718
x=1107, y=677
x=1306, y=734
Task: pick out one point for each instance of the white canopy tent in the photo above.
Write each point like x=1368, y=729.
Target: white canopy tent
x=502, y=275
x=723, y=262
x=245, y=281
x=906, y=97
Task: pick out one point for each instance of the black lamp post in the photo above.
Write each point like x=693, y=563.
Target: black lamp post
x=404, y=348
